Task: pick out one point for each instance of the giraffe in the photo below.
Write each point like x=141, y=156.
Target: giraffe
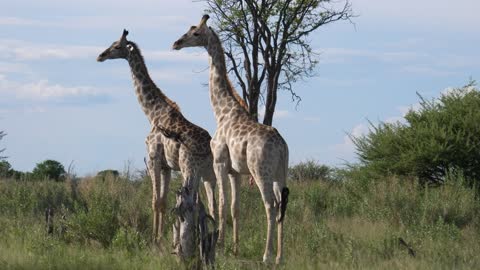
x=240, y=144
x=174, y=143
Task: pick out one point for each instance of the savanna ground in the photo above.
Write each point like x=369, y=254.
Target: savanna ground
x=352, y=222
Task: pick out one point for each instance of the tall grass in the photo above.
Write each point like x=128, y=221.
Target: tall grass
x=352, y=224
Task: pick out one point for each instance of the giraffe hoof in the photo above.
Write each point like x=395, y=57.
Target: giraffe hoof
x=267, y=259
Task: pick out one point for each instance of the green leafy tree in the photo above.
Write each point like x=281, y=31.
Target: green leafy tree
x=443, y=135
x=49, y=169
x=267, y=43
x=5, y=169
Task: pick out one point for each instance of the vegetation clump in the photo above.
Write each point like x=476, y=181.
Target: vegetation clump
x=442, y=135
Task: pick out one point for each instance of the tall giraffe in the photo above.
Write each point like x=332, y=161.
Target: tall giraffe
x=241, y=145
x=174, y=143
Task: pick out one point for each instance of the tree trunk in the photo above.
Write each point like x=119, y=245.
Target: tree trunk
x=253, y=102
x=195, y=233
x=271, y=102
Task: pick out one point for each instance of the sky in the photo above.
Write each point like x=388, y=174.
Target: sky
x=57, y=102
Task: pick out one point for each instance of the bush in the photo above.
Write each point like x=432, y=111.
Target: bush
x=443, y=135
x=5, y=169
x=98, y=221
x=107, y=173
x=309, y=170
x=49, y=169
x=26, y=198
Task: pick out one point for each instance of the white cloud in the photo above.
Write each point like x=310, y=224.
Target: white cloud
x=438, y=14
x=346, y=149
x=449, y=90
x=43, y=90
x=22, y=50
x=342, y=55
x=279, y=114
x=405, y=109
x=422, y=69
x=8, y=67
x=28, y=51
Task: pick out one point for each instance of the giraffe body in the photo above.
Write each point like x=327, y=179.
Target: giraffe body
x=241, y=145
x=174, y=143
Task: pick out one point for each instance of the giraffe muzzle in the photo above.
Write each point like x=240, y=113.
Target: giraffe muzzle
x=101, y=57
x=176, y=45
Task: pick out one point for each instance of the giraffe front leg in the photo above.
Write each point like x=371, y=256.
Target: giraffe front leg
x=209, y=186
x=166, y=174
x=221, y=174
x=154, y=170
x=155, y=177
x=221, y=161
x=235, y=208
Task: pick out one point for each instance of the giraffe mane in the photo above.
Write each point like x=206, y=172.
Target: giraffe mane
x=236, y=95
x=230, y=87
x=170, y=102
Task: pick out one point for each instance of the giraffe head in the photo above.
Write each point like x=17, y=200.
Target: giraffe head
x=118, y=49
x=195, y=37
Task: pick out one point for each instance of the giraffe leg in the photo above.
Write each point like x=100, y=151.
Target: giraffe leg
x=235, y=208
x=209, y=186
x=155, y=150
x=281, y=200
x=154, y=172
x=221, y=174
x=221, y=161
x=266, y=189
x=166, y=175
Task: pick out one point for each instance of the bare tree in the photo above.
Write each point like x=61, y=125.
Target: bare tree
x=267, y=45
x=2, y=134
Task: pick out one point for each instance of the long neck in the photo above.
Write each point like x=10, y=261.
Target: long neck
x=154, y=103
x=221, y=91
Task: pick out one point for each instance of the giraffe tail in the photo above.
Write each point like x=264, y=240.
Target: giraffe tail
x=285, y=191
x=283, y=203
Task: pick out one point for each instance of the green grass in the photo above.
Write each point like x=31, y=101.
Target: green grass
x=354, y=224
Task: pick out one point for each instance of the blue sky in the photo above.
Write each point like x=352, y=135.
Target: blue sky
x=57, y=102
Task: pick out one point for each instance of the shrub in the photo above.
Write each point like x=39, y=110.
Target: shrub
x=107, y=173
x=309, y=170
x=96, y=220
x=444, y=134
x=26, y=198
x=5, y=169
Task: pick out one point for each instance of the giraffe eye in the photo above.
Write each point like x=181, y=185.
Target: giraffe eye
x=117, y=47
x=196, y=34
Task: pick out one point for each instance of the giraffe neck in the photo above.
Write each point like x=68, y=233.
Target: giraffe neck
x=154, y=103
x=221, y=91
